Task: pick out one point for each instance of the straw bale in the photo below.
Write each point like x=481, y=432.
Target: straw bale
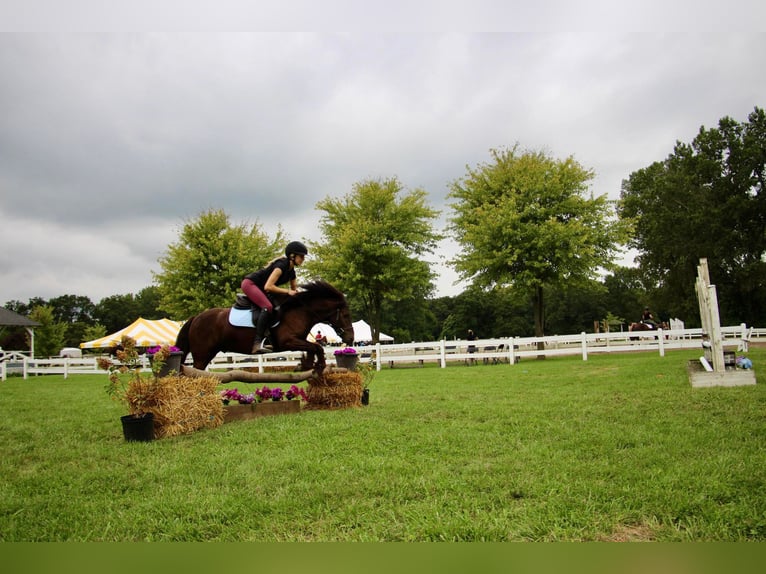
x=334, y=390
x=182, y=405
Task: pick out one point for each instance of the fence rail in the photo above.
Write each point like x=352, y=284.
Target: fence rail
x=509, y=350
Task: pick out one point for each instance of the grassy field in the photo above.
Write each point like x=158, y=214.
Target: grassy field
x=618, y=448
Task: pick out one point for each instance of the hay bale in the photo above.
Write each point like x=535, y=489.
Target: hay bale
x=334, y=391
x=182, y=405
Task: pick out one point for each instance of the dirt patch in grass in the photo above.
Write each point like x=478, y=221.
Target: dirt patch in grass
x=629, y=533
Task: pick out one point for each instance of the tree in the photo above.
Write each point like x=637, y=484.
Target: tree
x=76, y=313
x=50, y=335
x=706, y=199
x=148, y=302
x=116, y=312
x=72, y=308
x=628, y=293
x=374, y=241
x=524, y=220
x=205, y=267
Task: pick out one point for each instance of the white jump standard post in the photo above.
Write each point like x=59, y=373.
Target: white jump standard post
x=714, y=372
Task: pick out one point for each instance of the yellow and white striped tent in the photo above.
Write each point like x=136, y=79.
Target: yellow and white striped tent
x=146, y=333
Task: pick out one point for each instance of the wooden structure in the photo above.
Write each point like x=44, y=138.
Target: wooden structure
x=712, y=369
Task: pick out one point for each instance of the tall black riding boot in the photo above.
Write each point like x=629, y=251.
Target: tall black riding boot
x=260, y=333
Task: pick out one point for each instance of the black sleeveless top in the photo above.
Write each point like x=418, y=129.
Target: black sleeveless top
x=262, y=275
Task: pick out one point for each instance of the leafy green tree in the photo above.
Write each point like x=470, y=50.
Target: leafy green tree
x=93, y=332
x=74, y=311
x=374, y=241
x=525, y=220
x=25, y=308
x=148, y=302
x=576, y=308
x=50, y=335
x=628, y=291
x=116, y=312
x=72, y=308
x=706, y=199
x=205, y=267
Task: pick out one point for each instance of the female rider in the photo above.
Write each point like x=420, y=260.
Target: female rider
x=266, y=280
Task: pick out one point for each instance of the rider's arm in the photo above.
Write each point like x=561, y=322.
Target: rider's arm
x=272, y=287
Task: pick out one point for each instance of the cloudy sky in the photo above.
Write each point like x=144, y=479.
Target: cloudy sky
x=113, y=135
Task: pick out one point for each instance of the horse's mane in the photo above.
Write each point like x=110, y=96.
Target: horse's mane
x=313, y=291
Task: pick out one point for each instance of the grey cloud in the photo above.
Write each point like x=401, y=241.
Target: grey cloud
x=116, y=139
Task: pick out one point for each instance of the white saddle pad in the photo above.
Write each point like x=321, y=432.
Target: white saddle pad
x=241, y=317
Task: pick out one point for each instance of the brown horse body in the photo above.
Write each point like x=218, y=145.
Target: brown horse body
x=647, y=327
x=636, y=327
x=210, y=332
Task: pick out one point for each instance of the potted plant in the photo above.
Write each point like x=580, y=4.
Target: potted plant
x=368, y=371
x=346, y=358
x=164, y=359
x=127, y=385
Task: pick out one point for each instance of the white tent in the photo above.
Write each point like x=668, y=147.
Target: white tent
x=327, y=332
x=363, y=333
x=144, y=332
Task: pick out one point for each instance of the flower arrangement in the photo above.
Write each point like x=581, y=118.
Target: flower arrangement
x=158, y=356
x=263, y=394
x=234, y=395
x=345, y=351
x=125, y=381
x=151, y=351
x=368, y=370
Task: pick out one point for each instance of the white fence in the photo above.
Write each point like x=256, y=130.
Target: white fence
x=509, y=350
x=512, y=350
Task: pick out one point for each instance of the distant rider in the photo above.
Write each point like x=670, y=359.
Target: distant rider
x=648, y=319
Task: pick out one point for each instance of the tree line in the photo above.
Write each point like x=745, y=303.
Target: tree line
x=537, y=248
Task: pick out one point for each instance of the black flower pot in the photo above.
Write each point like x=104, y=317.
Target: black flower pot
x=138, y=428
x=172, y=364
x=366, y=397
x=347, y=361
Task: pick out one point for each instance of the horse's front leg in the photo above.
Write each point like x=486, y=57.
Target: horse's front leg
x=314, y=357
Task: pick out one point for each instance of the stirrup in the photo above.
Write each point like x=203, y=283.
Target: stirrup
x=260, y=347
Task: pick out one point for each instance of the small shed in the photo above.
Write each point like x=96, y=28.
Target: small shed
x=11, y=319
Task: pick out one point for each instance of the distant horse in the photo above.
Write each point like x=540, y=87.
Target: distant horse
x=635, y=327
x=206, y=334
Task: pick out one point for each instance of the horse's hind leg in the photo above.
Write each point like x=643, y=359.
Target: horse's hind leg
x=202, y=360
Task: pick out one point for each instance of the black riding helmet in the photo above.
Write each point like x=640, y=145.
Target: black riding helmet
x=297, y=248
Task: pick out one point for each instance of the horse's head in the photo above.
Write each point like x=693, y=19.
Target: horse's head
x=327, y=305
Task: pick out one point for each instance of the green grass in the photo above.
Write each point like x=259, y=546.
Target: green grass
x=620, y=447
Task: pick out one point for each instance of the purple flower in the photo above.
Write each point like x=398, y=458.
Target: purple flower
x=156, y=349
x=295, y=391
x=345, y=351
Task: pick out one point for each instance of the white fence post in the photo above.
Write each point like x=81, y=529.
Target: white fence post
x=584, y=340
x=377, y=356
x=661, y=342
x=443, y=353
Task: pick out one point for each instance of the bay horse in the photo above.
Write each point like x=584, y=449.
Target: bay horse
x=641, y=326
x=209, y=332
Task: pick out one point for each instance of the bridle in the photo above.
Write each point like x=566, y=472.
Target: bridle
x=317, y=318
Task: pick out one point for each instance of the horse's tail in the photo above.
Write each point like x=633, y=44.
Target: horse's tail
x=182, y=340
